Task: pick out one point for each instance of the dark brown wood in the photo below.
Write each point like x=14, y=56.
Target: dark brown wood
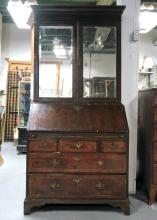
x=114, y=146
x=77, y=186
x=77, y=16
x=77, y=147
x=147, y=142
x=62, y=117
x=71, y=163
x=43, y=145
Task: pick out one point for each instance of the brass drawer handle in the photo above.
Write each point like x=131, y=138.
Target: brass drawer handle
x=42, y=145
x=113, y=145
x=100, y=163
x=78, y=145
x=100, y=186
x=77, y=180
x=55, y=186
x=54, y=162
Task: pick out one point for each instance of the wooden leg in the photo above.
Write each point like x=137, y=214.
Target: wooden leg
x=123, y=205
x=152, y=195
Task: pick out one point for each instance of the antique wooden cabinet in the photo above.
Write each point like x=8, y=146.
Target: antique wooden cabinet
x=147, y=142
x=77, y=139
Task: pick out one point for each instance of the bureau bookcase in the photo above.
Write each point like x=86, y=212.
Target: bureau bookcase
x=77, y=130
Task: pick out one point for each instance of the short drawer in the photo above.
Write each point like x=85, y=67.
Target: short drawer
x=113, y=146
x=77, y=146
x=155, y=173
x=42, y=145
x=77, y=186
x=84, y=163
x=155, y=151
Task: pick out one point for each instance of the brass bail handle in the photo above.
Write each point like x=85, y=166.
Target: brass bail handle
x=78, y=145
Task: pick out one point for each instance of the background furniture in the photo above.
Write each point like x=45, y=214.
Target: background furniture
x=77, y=146
x=147, y=142
x=23, y=113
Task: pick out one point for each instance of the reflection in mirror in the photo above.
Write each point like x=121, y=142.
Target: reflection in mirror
x=55, y=61
x=99, y=62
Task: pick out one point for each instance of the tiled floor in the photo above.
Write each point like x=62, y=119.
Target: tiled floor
x=12, y=193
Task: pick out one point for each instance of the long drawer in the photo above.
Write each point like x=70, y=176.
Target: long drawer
x=77, y=186
x=72, y=162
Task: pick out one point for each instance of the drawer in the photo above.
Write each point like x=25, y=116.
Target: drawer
x=155, y=151
x=155, y=114
x=77, y=146
x=84, y=163
x=155, y=173
x=113, y=146
x=77, y=186
x=155, y=132
x=42, y=145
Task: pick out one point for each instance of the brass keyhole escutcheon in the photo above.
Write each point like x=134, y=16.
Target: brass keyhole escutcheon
x=113, y=145
x=77, y=180
x=100, y=163
x=54, y=162
x=100, y=185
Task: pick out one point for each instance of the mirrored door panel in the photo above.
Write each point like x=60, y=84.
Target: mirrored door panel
x=55, y=61
x=99, y=62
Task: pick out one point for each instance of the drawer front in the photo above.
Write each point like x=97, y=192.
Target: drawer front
x=155, y=151
x=77, y=146
x=114, y=146
x=93, y=163
x=42, y=145
x=155, y=132
x=155, y=114
x=155, y=173
x=77, y=186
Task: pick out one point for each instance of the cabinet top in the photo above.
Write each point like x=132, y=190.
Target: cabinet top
x=79, y=9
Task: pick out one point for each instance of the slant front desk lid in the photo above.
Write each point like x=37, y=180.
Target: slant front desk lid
x=73, y=118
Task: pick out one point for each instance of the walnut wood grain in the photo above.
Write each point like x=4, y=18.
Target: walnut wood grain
x=42, y=145
x=114, y=146
x=72, y=145
x=77, y=186
x=84, y=163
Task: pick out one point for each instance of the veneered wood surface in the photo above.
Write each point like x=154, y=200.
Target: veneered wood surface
x=77, y=186
x=71, y=118
x=42, y=145
x=155, y=173
x=114, y=146
x=72, y=145
x=71, y=162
